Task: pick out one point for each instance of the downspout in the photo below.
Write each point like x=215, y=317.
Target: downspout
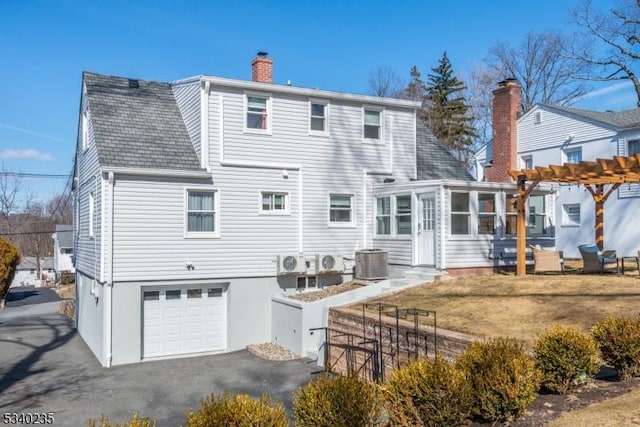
x=108, y=300
x=256, y=165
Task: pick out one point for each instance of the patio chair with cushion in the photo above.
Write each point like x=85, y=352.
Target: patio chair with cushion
x=547, y=260
x=595, y=261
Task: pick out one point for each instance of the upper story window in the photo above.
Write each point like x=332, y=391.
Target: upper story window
x=258, y=111
x=92, y=212
x=526, y=162
x=486, y=213
x=571, y=214
x=202, y=215
x=537, y=118
x=383, y=216
x=318, y=117
x=85, y=129
x=460, y=213
x=372, y=124
x=341, y=209
x=403, y=214
x=633, y=147
x=274, y=203
x=573, y=155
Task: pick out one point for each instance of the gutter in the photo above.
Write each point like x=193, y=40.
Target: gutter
x=156, y=172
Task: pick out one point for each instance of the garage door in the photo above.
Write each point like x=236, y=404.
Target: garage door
x=180, y=320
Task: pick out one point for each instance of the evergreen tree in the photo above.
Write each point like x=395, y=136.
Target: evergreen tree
x=447, y=110
x=416, y=91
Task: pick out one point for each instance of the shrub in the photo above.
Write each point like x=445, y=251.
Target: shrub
x=503, y=377
x=427, y=392
x=67, y=278
x=136, y=421
x=336, y=401
x=619, y=341
x=9, y=259
x=239, y=410
x=565, y=357
x=68, y=308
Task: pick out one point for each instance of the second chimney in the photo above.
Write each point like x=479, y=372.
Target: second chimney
x=262, y=68
x=507, y=100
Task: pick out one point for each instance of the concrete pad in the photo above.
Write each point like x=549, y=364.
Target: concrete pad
x=46, y=367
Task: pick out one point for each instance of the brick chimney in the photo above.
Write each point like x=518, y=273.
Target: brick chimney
x=507, y=100
x=262, y=68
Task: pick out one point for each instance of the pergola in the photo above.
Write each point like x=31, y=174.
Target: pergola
x=594, y=176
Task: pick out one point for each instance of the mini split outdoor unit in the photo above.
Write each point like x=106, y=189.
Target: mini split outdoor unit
x=326, y=263
x=291, y=264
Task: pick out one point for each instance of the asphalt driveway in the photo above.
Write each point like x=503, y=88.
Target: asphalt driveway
x=26, y=295
x=46, y=367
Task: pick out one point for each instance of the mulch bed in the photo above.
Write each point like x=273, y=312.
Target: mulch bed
x=548, y=407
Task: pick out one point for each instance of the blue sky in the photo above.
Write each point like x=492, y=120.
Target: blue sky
x=334, y=45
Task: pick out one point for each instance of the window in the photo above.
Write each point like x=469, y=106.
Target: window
x=372, y=124
x=383, y=216
x=274, y=203
x=214, y=292
x=92, y=212
x=633, y=147
x=305, y=282
x=85, y=130
x=574, y=155
x=403, y=214
x=537, y=118
x=194, y=293
x=511, y=210
x=460, y=213
x=341, y=209
x=526, y=162
x=537, y=215
x=257, y=112
x=151, y=295
x=486, y=213
x=173, y=294
x=201, y=212
x=318, y=117
x=571, y=214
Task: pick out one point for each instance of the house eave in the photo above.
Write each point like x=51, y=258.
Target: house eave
x=296, y=90
x=156, y=172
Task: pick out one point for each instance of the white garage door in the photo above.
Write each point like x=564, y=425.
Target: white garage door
x=180, y=320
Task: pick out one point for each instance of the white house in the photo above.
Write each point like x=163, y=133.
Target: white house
x=28, y=274
x=549, y=134
x=63, y=249
x=196, y=201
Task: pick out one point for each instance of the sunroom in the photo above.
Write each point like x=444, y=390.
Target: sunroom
x=457, y=226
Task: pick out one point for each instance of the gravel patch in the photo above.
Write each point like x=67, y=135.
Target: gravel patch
x=326, y=292
x=271, y=351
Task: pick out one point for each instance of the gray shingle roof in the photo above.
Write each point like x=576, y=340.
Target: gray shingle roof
x=64, y=235
x=434, y=160
x=620, y=119
x=138, y=127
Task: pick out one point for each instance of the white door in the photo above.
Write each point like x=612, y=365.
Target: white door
x=426, y=236
x=179, y=320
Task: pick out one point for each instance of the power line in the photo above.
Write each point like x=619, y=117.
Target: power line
x=35, y=175
x=23, y=233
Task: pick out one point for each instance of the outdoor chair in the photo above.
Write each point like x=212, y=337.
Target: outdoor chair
x=595, y=261
x=547, y=260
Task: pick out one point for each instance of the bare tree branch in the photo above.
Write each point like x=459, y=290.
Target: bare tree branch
x=385, y=82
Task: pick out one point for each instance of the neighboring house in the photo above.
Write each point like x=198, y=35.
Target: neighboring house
x=196, y=201
x=63, y=250
x=549, y=134
x=27, y=273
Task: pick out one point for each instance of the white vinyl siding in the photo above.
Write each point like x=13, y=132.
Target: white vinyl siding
x=189, y=101
x=92, y=214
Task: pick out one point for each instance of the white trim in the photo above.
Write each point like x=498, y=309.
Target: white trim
x=274, y=212
x=340, y=224
x=156, y=172
x=566, y=218
x=316, y=93
x=204, y=126
x=92, y=212
x=216, y=213
x=269, y=107
x=85, y=129
x=326, y=105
